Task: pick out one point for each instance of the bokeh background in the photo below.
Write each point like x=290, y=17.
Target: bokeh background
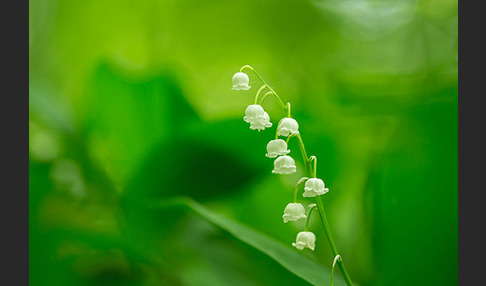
x=130, y=106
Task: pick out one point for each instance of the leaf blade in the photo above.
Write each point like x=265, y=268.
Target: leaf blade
x=296, y=263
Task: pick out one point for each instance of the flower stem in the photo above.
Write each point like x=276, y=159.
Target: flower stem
x=276, y=129
x=314, y=169
x=258, y=93
x=266, y=84
x=306, y=226
x=297, y=186
x=295, y=193
x=278, y=99
x=285, y=107
x=320, y=207
x=336, y=259
x=327, y=228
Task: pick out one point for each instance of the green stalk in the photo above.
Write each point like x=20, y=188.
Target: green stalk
x=297, y=186
x=265, y=83
x=327, y=228
x=295, y=193
x=320, y=207
x=338, y=257
x=258, y=93
x=265, y=96
x=276, y=130
x=306, y=226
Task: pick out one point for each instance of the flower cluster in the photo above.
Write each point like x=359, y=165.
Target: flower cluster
x=284, y=164
x=257, y=117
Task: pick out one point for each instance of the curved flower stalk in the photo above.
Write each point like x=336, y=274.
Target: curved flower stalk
x=314, y=187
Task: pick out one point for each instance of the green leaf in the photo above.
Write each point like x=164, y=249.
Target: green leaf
x=289, y=258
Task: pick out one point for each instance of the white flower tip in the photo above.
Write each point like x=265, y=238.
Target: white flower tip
x=299, y=246
x=336, y=259
x=241, y=87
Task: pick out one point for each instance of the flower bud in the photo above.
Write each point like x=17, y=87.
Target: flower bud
x=288, y=126
x=284, y=165
x=293, y=212
x=314, y=187
x=305, y=239
x=241, y=81
x=276, y=147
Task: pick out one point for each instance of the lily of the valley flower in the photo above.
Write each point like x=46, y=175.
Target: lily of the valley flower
x=241, y=81
x=261, y=123
x=293, y=212
x=257, y=117
x=288, y=126
x=305, y=239
x=253, y=112
x=314, y=187
x=284, y=165
x=276, y=147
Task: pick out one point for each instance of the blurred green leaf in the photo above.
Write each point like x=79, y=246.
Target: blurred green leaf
x=289, y=258
x=128, y=116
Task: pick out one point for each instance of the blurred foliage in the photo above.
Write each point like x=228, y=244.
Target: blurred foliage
x=130, y=103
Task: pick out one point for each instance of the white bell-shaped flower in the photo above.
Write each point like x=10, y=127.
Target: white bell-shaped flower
x=253, y=112
x=314, y=187
x=284, y=165
x=261, y=123
x=257, y=117
x=305, y=239
x=276, y=147
x=241, y=81
x=288, y=126
x=293, y=212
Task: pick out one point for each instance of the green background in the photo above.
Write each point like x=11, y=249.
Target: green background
x=130, y=103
